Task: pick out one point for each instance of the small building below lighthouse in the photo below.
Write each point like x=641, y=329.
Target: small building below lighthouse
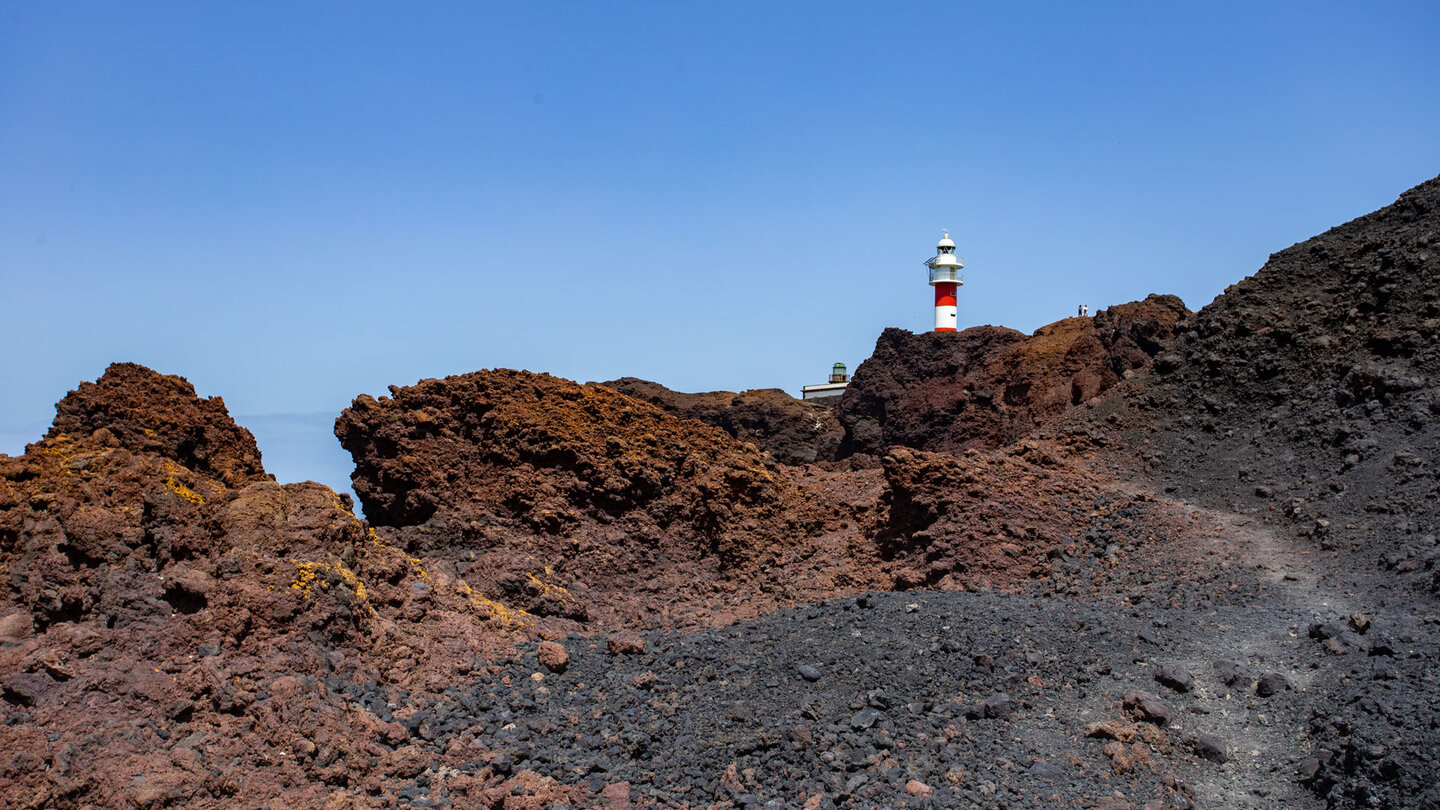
x=945, y=277
x=828, y=391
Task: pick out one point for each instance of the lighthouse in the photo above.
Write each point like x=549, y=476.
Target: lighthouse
x=946, y=279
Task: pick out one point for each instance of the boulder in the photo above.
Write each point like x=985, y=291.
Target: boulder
x=553, y=656
x=1149, y=708
x=16, y=626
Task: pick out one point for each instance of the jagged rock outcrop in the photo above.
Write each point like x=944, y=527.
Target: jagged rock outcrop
x=550, y=489
x=793, y=431
x=174, y=624
x=999, y=517
x=987, y=386
x=146, y=412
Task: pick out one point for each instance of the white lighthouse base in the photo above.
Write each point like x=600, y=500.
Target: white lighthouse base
x=946, y=318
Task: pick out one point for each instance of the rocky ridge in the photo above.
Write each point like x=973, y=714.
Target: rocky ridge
x=1325, y=365
x=174, y=626
x=988, y=386
x=793, y=431
x=566, y=499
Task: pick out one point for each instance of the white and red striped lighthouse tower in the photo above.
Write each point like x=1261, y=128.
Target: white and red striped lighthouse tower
x=946, y=279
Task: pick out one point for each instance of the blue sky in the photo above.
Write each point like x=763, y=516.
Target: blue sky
x=292, y=204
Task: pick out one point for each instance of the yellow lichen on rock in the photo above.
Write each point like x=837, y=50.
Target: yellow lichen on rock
x=321, y=574
x=507, y=616
x=305, y=576
x=549, y=590
x=176, y=486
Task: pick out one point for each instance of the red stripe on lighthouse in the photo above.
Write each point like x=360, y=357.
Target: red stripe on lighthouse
x=944, y=297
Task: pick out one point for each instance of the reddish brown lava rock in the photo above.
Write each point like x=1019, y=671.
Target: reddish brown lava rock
x=553, y=656
x=174, y=622
x=561, y=499
x=15, y=627
x=210, y=628
x=980, y=518
x=625, y=644
x=919, y=789
x=988, y=386
x=146, y=412
x=578, y=504
x=793, y=431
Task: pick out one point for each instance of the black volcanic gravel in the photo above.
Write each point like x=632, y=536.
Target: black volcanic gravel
x=983, y=698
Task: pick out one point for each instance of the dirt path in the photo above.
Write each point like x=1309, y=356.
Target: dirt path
x=1266, y=736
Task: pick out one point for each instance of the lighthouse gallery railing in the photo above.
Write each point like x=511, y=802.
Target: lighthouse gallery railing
x=946, y=274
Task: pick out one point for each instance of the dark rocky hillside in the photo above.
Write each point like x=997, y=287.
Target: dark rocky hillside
x=1308, y=396
x=1312, y=390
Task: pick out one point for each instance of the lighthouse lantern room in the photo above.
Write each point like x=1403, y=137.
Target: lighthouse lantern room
x=945, y=277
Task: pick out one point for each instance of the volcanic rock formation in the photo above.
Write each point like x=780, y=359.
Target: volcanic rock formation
x=1203, y=549
x=994, y=518
x=793, y=431
x=168, y=614
x=548, y=489
x=1314, y=386
x=569, y=500
x=1308, y=395
x=145, y=412
x=987, y=386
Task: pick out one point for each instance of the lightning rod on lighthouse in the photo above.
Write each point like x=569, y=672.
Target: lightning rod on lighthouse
x=946, y=279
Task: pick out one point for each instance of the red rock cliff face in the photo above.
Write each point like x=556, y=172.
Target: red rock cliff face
x=987, y=386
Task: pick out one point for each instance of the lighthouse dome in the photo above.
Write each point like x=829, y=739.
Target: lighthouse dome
x=945, y=242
